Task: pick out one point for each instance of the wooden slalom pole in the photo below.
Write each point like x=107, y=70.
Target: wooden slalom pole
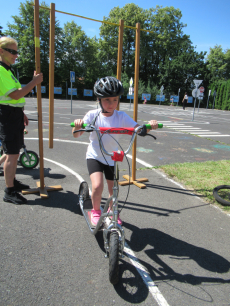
x=40, y=185
x=133, y=180
x=51, y=75
x=119, y=53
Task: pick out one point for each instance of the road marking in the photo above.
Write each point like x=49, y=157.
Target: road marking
x=204, y=132
x=152, y=287
x=185, y=128
x=214, y=135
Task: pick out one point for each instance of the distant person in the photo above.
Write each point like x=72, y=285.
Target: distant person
x=32, y=93
x=185, y=100
x=172, y=100
x=12, y=118
x=145, y=100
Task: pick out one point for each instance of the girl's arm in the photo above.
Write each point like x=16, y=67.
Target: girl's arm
x=153, y=123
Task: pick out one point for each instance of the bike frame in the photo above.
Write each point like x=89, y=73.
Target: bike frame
x=113, y=226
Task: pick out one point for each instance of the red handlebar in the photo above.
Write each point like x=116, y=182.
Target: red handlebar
x=105, y=130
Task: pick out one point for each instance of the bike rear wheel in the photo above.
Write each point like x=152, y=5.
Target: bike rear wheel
x=84, y=190
x=114, y=258
x=222, y=194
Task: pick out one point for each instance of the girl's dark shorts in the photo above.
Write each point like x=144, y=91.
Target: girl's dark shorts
x=96, y=166
x=11, y=128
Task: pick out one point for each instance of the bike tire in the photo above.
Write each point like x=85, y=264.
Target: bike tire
x=84, y=190
x=114, y=258
x=218, y=197
x=32, y=163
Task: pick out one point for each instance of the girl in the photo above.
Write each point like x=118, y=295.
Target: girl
x=108, y=91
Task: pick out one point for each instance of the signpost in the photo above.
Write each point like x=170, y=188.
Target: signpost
x=196, y=93
x=162, y=88
x=201, y=96
x=131, y=90
x=214, y=95
x=178, y=96
x=209, y=93
x=72, y=79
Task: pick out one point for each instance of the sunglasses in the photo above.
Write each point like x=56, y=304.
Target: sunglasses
x=11, y=51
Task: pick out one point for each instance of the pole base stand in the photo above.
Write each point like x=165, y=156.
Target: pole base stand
x=136, y=182
x=43, y=191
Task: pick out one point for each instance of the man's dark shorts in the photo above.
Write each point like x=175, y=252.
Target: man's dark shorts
x=11, y=128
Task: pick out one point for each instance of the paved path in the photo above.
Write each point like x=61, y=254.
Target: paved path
x=178, y=244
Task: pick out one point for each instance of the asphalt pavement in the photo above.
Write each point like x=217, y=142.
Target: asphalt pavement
x=177, y=245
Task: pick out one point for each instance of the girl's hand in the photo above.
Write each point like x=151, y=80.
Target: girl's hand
x=154, y=124
x=78, y=124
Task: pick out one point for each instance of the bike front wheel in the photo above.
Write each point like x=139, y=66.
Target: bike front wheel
x=222, y=194
x=114, y=258
x=32, y=162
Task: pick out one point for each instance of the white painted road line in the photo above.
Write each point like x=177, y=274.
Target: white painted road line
x=204, y=132
x=152, y=287
x=214, y=135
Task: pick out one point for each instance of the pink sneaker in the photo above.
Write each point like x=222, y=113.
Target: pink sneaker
x=95, y=216
x=118, y=219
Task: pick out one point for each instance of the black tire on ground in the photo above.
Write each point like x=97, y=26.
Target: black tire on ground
x=29, y=164
x=218, y=197
x=114, y=258
x=84, y=190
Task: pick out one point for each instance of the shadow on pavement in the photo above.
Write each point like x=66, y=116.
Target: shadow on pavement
x=177, y=250
x=35, y=173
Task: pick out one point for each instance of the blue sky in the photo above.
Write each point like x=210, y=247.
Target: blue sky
x=208, y=21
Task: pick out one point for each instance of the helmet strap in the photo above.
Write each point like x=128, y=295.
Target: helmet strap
x=102, y=109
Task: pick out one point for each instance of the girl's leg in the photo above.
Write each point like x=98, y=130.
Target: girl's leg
x=97, y=189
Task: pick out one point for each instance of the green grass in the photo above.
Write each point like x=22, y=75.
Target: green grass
x=201, y=177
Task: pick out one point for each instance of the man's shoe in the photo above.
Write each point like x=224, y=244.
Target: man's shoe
x=14, y=197
x=18, y=186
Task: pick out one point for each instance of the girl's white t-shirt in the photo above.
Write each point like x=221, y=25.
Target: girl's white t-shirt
x=118, y=119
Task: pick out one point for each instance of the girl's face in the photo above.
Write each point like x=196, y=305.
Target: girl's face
x=6, y=56
x=110, y=104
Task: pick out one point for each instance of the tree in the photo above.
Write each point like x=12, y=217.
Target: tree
x=80, y=55
x=218, y=63
x=1, y=33
x=167, y=56
x=23, y=31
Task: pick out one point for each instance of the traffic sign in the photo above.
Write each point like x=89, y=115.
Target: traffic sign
x=197, y=82
x=201, y=89
x=72, y=76
x=131, y=82
x=195, y=92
